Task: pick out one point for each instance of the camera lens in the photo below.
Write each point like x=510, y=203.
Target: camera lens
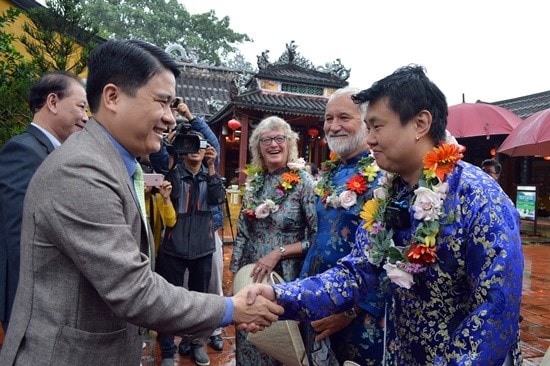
x=175, y=103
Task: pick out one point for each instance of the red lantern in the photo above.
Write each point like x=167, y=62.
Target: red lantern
x=233, y=124
x=313, y=132
x=323, y=142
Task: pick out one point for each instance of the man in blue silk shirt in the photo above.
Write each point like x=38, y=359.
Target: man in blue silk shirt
x=457, y=293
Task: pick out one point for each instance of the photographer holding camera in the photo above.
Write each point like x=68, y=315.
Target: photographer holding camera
x=198, y=191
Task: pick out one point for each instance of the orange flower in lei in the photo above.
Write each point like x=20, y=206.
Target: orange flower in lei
x=427, y=205
x=442, y=159
x=352, y=192
x=289, y=180
x=421, y=254
x=357, y=184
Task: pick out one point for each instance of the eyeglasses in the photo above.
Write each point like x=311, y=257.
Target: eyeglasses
x=266, y=141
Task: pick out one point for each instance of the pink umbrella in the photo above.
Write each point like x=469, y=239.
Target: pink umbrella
x=530, y=138
x=480, y=119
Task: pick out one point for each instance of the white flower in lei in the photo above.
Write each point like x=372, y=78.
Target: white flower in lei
x=298, y=164
x=427, y=205
x=347, y=199
x=265, y=209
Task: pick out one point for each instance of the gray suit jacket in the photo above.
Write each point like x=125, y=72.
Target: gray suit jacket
x=86, y=285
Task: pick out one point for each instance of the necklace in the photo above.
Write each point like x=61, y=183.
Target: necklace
x=351, y=193
x=260, y=209
x=427, y=204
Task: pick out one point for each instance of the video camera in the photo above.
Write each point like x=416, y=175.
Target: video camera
x=397, y=215
x=184, y=142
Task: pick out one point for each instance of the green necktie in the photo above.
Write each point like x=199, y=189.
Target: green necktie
x=139, y=186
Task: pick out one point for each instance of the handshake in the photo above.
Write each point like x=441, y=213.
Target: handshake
x=255, y=308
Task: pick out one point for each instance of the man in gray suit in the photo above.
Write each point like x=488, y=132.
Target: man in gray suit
x=58, y=103
x=87, y=289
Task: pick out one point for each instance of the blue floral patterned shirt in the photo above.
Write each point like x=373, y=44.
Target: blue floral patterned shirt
x=362, y=340
x=464, y=310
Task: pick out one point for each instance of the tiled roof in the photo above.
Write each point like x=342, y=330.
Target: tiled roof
x=526, y=105
x=26, y=4
x=281, y=102
x=298, y=74
x=200, y=86
x=205, y=89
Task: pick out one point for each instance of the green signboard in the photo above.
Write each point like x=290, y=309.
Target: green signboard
x=526, y=202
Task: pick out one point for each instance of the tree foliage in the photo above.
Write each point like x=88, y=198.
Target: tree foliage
x=16, y=77
x=163, y=22
x=57, y=36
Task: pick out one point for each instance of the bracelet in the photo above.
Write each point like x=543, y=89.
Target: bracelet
x=305, y=246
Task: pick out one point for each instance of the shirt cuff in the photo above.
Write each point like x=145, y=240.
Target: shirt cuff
x=228, y=313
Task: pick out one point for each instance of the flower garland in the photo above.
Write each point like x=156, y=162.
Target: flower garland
x=402, y=264
x=256, y=179
x=356, y=185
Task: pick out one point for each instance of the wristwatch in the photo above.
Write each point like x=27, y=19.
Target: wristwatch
x=351, y=313
x=282, y=250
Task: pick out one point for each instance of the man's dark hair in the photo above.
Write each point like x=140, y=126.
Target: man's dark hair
x=409, y=91
x=57, y=82
x=313, y=167
x=492, y=162
x=128, y=64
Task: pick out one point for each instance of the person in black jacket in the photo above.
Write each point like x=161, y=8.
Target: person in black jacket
x=58, y=103
x=189, y=245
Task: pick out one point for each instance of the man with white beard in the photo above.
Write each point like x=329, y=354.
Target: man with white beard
x=347, y=178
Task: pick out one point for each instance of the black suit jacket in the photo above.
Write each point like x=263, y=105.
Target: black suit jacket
x=20, y=157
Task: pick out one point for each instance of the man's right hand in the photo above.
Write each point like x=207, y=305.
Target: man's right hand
x=183, y=110
x=254, y=315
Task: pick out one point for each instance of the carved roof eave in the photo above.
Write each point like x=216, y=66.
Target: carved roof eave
x=298, y=74
x=279, y=103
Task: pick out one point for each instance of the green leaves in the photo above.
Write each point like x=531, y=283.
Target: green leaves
x=58, y=37
x=15, y=81
x=165, y=22
x=382, y=247
x=55, y=38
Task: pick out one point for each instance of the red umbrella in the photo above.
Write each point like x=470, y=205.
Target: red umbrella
x=530, y=138
x=480, y=119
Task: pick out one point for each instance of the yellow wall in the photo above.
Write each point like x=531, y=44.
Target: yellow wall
x=16, y=28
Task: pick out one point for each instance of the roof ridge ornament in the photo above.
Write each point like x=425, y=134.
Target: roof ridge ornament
x=336, y=68
x=263, y=60
x=291, y=51
x=292, y=57
x=179, y=53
